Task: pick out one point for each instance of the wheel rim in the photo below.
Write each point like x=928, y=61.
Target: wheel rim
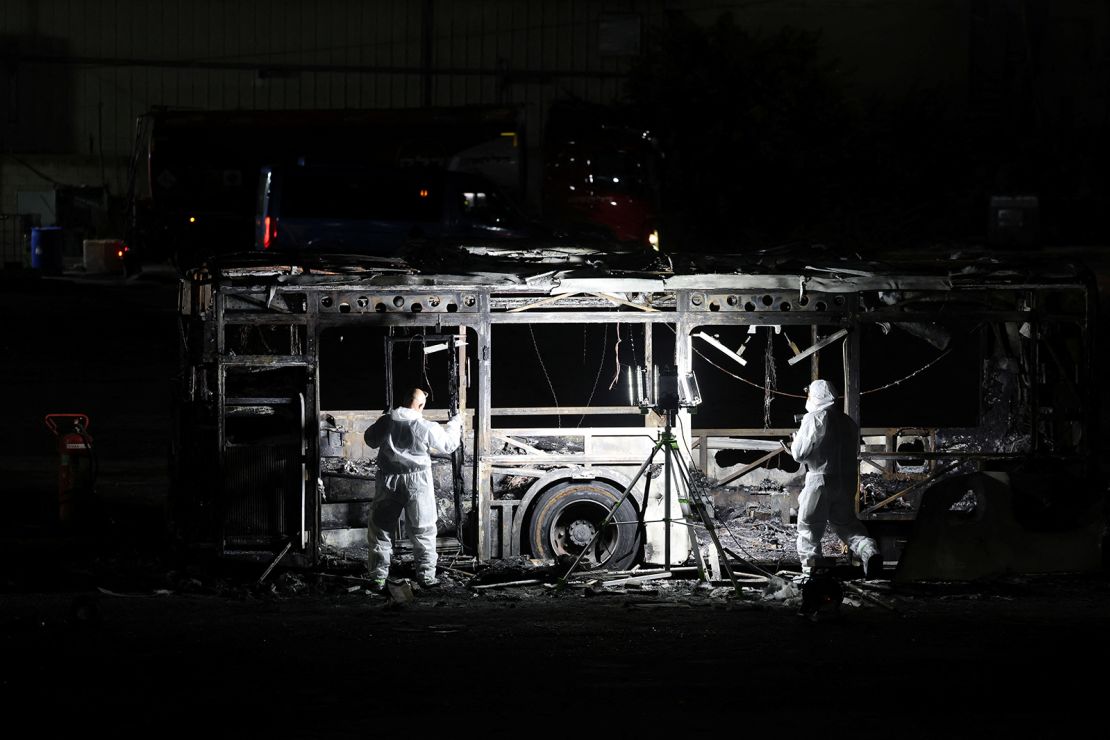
x=575, y=525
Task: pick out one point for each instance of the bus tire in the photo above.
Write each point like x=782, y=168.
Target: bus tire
x=566, y=516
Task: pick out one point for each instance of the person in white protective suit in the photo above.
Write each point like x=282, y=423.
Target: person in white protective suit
x=404, y=483
x=828, y=443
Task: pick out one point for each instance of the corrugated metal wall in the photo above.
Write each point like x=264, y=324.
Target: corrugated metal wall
x=78, y=72
x=95, y=66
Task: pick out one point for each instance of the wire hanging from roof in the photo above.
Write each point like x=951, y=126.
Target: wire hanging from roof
x=616, y=359
x=536, y=346
x=770, y=379
x=600, y=366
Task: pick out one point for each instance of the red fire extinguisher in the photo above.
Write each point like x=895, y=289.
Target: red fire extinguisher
x=76, y=464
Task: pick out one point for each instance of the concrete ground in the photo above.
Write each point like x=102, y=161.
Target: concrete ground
x=1019, y=659
x=113, y=632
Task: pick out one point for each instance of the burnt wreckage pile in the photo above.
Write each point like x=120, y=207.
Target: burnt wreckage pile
x=970, y=376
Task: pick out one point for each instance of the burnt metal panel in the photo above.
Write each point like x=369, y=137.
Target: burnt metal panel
x=261, y=491
x=399, y=301
x=483, y=429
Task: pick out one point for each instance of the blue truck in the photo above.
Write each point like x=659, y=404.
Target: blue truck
x=379, y=211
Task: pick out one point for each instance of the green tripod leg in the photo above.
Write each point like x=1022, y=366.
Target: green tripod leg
x=675, y=472
x=699, y=507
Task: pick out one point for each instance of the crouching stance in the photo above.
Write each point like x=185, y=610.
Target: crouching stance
x=828, y=443
x=404, y=483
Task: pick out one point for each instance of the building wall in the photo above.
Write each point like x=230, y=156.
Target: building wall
x=79, y=72
x=43, y=172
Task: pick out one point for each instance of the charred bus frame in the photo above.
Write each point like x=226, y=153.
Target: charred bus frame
x=260, y=493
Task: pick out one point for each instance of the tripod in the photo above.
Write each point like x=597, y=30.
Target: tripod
x=674, y=467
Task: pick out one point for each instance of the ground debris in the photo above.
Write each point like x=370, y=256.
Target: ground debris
x=516, y=568
x=871, y=598
x=507, y=584
x=631, y=580
x=157, y=592
x=597, y=588
x=400, y=592
x=780, y=589
x=290, y=583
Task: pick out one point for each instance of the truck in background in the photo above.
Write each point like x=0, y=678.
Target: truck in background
x=198, y=193
x=375, y=211
x=601, y=170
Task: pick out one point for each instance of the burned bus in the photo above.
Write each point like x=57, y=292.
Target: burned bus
x=971, y=379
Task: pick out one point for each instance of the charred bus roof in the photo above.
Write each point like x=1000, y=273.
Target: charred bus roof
x=561, y=269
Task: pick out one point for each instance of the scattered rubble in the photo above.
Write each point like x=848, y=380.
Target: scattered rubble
x=874, y=487
x=506, y=584
x=400, y=592
x=780, y=589
x=361, y=468
x=517, y=568
x=555, y=445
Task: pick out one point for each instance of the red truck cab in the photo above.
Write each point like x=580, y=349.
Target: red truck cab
x=606, y=177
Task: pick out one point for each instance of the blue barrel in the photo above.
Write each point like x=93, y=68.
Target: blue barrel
x=46, y=249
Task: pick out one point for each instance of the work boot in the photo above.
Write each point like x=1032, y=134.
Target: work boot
x=377, y=585
x=427, y=581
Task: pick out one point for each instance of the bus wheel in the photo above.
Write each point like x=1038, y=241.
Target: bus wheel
x=567, y=516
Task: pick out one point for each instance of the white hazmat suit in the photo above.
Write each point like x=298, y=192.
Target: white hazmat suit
x=828, y=443
x=404, y=483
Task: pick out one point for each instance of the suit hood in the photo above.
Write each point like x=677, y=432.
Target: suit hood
x=822, y=395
